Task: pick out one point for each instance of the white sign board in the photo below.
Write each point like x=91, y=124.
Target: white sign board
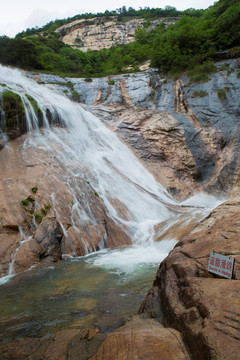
x=220, y=265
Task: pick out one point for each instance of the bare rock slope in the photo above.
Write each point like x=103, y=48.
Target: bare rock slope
x=104, y=32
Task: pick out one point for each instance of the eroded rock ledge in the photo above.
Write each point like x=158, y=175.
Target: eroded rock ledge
x=202, y=306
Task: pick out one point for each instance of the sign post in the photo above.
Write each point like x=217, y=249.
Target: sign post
x=221, y=265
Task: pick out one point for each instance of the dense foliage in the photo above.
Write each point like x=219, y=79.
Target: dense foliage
x=194, y=38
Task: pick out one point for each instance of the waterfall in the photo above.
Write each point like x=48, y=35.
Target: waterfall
x=87, y=155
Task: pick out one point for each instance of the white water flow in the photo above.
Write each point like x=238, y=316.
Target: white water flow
x=89, y=151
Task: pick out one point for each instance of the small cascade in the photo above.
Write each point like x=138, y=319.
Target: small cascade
x=25, y=238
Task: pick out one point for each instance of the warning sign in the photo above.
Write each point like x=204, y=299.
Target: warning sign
x=221, y=265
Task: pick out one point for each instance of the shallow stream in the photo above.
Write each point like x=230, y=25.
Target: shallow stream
x=104, y=289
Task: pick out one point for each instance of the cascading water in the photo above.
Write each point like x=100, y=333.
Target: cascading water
x=86, y=155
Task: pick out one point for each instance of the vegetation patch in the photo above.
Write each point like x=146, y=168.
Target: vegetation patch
x=111, y=82
x=226, y=67
x=197, y=36
x=75, y=96
x=28, y=200
x=200, y=72
x=14, y=113
x=223, y=67
x=35, y=189
x=25, y=202
x=70, y=85
x=45, y=210
x=235, y=51
x=222, y=93
x=200, y=93
x=12, y=100
x=34, y=104
x=38, y=218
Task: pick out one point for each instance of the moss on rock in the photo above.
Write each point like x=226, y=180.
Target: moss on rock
x=14, y=124
x=34, y=104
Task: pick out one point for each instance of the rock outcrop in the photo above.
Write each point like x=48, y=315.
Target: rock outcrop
x=37, y=227
x=138, y=339
x=12, y=116
x=204, y=307
x=183, y=130
x=104, y=32
x=143, y=339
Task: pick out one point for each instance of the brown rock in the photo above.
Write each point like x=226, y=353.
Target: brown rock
x=84, y=344
x=81, y=241
x=64, y=345
x=154, y=136
x=143, y=339
x=117, y=234
x=27, y=254
x=21, y=350
x=57, y=348
x=49, y=235
x=8, y=243
x=202, y=306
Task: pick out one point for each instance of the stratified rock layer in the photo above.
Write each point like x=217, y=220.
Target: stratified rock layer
x=202, y=306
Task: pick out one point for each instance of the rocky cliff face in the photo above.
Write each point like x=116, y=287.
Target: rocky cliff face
x=100, y=33
x=185, y=131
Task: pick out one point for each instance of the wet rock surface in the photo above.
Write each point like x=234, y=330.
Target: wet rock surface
x=37, y=227
x=112, y=310
x=202, y=306
x=185, y=131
